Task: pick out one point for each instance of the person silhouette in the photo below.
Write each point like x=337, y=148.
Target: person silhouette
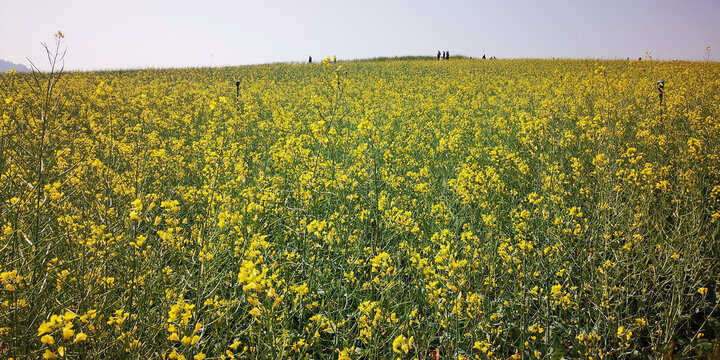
x=438, y=55
x=447, y=55
x=310, y=60
x=483, y=56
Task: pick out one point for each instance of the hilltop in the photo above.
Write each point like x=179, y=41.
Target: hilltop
x=7, y=66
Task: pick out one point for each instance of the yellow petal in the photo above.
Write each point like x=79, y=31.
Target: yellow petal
x=80, y=337
x=47, y=339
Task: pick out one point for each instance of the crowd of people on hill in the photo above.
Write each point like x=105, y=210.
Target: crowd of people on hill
x=445, y=55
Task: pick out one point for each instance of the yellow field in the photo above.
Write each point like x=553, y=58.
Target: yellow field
x=460, y=209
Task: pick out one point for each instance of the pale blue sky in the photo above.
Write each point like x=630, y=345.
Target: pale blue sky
x=147, y=33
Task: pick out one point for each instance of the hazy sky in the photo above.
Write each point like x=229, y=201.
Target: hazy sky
x=148, y=33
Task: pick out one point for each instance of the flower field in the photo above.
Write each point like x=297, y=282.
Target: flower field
x=459, y=209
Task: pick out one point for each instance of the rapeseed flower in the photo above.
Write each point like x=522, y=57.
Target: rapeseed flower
x=401, y=344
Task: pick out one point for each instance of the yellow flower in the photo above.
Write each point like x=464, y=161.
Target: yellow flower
x=69, y=316
x=345, y=354
x=79, y=337
x=49, y=354
x=185, y=340
x=44, y=328
x=137, y=204
x=68, y=333
x=134, y=216
x=174, y=337
x=47, y=339
x=200, y=356
x=402, y=344
x=702, y=290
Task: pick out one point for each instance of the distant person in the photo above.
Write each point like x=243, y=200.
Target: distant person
x=483, y=56
x=310, y=60
x=447, y=55
x=438, y=55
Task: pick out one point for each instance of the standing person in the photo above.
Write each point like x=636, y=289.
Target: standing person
x=447, y=55
x=438, y=55
x=310, y=60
